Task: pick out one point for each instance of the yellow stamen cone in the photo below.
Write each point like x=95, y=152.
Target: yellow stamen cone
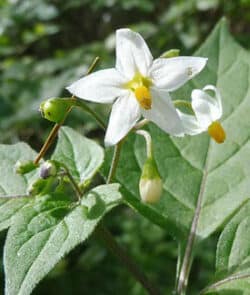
x=143, y=96
x=216, y=131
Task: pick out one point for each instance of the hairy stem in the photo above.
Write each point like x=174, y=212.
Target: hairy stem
x=73, y=183
x=188, y=255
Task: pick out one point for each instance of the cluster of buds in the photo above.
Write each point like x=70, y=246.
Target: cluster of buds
x=48, y=176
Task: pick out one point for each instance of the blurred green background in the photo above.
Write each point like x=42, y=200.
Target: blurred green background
x=46, y=45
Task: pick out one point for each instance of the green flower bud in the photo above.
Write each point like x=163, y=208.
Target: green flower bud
x=48, y=168
x=43, y=186
x=25, y=167
x=150, y=185
x=171, y=53
x=55, y=109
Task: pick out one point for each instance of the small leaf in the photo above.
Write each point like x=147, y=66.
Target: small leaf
x=12, y=183
x=82, y=156
x=45, y=232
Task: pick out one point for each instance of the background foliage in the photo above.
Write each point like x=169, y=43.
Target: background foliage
x=44, y=45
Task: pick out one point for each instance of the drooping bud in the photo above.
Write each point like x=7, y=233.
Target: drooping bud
x=25, y=167
x=171, y=53
x=48, y=168
x=150, y=182
x=55, y=109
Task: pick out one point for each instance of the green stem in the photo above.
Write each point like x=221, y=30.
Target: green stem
x=114, y=162
x=81, y=104
x=48, y=142
x=140, y=124
x=73, y=183
x=148, y=140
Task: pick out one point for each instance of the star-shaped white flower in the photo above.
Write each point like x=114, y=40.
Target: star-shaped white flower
x=207, y=112
x=138, y=86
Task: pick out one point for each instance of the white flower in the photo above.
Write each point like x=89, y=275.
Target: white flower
x=207, y=110
x=138, y=86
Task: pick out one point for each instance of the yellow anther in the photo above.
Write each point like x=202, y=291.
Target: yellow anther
x=143, y=96
x=216, y=131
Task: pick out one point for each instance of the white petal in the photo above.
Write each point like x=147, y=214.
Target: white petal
x=190, y=124
x=102, y=86
x=124, y=115
x=205, y=107
x=163, y=113
x=217, y=99
x=132, y=53
x=172, y=73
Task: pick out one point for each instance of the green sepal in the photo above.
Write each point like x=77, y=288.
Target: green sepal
x=25, y=167
x=171, y=53
x=150, y=170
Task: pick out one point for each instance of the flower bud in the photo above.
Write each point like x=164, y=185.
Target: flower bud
x=55, y=109
x=171, y=53
x=25, y=167
x=48, y=168
x=150, y=182
x=43, y=186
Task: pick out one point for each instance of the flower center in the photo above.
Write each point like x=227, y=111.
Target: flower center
x=216, y=131
x=140, y=86
x=143, y=96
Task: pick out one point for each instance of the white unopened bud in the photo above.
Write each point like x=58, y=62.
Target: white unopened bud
x=150, y=190
x=150, y=183
x=48, y=168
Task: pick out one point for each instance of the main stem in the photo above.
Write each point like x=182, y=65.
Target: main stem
x=187, y=259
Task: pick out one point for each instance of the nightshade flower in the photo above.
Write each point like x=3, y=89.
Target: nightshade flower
x=138, y=86
x=207, y=112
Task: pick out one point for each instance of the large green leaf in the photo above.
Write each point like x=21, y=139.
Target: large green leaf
x=196, y=170
x=82, y=156
x=12, y=183
x=43, y=233
x=233, y=256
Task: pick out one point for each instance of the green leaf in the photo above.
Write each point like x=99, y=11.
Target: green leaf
x=12, y=183
x=43, y=233
x=82, y=156
x=233, y=256
x=196, y=170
